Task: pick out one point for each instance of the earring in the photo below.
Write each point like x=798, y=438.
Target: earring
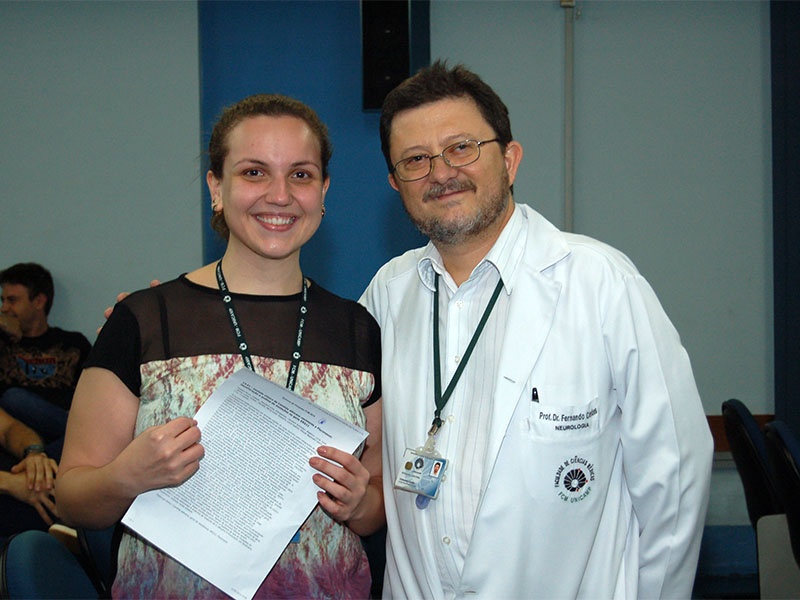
x=323, y=210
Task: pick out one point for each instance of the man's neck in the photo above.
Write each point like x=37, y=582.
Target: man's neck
x=461, y=258
x=35, y=330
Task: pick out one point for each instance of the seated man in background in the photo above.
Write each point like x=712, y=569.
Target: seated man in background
x=27, y=479
x=39, y=364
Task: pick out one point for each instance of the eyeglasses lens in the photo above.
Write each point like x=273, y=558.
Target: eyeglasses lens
x=459, y=154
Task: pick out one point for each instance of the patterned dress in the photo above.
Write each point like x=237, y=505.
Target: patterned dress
x=173, y=346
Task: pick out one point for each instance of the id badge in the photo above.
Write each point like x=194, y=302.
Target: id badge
x=420, y=473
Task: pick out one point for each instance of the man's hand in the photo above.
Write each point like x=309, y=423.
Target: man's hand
x=109, y=309
x=43, y=501
x=9, y=325
x=120, y=297
x=40, y=471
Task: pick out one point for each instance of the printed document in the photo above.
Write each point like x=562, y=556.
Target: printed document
x=230, y=522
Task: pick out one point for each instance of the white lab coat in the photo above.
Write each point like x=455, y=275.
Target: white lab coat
x=599, y=489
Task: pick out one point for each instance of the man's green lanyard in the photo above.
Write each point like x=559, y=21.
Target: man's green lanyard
x=440, y=398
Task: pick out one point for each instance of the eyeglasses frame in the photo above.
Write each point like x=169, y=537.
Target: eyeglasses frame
x=444, y=158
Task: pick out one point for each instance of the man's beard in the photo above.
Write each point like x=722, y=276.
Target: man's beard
x=456, y=231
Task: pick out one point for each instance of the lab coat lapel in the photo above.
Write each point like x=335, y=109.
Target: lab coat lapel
x=531, y=311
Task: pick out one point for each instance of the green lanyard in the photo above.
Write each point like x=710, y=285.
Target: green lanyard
x=441, y=399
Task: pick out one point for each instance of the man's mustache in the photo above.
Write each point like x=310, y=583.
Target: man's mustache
x=453, y=185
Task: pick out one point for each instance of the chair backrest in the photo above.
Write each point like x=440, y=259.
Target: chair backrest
x=98, y=555
x=784, y=452
x=35, y=565
x=749, y=450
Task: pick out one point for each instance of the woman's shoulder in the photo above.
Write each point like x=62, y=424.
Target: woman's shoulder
x=344, y=310
x=178, y=289
x=334, y=301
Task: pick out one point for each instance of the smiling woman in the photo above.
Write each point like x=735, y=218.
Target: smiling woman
x=272, y=190
x=153, y=367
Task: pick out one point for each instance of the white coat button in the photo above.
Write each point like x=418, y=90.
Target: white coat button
x=446, y=540
x=457, y=359
x=460, y=304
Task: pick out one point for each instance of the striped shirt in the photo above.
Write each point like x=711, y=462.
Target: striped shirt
x=463, y=438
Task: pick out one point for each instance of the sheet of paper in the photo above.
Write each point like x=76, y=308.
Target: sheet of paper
x=231, y=521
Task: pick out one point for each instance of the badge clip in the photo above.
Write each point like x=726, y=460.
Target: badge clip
x=423, y=469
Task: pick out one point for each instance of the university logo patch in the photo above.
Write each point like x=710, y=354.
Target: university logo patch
x=573, y=479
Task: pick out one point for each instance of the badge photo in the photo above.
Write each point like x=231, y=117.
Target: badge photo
x=420, y=473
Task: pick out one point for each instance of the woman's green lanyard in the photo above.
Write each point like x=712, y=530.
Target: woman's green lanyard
x=239, y=334
x=439, y=397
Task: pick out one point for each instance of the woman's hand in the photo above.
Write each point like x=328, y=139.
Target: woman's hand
x=352, y=488
x=161, y=456
x=346, y=483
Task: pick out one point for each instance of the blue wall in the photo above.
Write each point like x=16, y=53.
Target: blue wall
x=311, y=51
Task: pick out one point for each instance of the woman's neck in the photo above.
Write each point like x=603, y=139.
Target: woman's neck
x=259, y=277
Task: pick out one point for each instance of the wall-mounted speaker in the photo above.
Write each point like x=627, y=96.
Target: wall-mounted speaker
x=395, y=42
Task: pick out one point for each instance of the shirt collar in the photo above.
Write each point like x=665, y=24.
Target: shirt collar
x=504, y=256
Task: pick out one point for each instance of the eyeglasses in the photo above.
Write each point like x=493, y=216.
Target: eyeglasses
x=420, y=166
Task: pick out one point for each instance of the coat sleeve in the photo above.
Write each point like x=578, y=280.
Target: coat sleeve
x=370, y=299
x=666, y=441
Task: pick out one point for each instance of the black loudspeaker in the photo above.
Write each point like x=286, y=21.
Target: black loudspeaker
x=395, y=42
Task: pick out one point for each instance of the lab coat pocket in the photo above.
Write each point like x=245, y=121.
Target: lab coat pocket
x=570, y=453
